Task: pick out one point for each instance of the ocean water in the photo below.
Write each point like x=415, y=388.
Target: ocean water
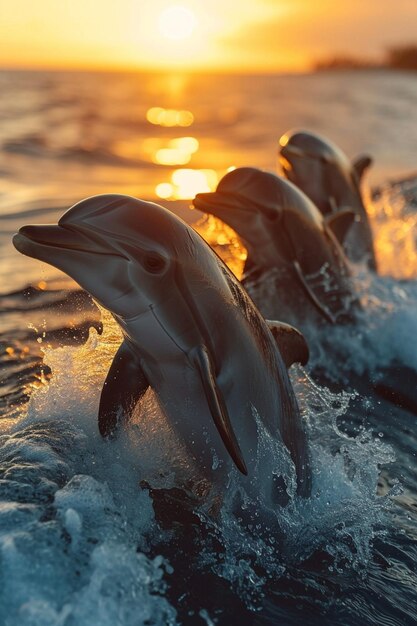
x=82, y=539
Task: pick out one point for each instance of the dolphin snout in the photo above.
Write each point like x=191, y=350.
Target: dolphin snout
x=29, y=238
x=52, y=236
x=45, y=233
x=221, y=203
x=205, y=202
x=289, y=150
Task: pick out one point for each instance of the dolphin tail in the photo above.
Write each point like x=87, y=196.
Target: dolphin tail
x=202, y=361
x=124, y=385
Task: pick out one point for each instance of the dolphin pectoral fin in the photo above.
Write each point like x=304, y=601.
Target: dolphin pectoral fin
x=323, y=310
x=361, y=164
x=340, y=223
x=201, y=359
x=124, y=385
x=291, y=343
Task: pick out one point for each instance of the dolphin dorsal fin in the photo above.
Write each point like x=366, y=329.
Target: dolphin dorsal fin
x=291, y=343
x=340, y=223
x=201, y=359
x=361, y=164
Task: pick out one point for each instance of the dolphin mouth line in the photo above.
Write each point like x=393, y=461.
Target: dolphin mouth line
x=224, y=201
x=68, y=244
x=305, y=154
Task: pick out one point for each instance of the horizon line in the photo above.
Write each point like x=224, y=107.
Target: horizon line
x=192, y=71
x=146, y=69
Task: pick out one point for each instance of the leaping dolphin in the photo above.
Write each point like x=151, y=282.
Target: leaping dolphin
x=282, y=229
x=191, y=333
x=325, y=174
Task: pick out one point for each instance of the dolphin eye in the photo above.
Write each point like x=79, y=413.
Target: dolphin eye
x=154, y=263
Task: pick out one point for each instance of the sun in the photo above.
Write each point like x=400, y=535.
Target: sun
x=177, y=23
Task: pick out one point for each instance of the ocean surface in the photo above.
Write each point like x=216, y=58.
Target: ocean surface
x=82, y=540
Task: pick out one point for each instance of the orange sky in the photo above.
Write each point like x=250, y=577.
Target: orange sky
x=229, y=34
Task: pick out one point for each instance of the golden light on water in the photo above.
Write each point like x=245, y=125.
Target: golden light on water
x=186, y=144
x=177, y=23
x=164, y=191
x=169, y=117
x=159, y=150
x=185, y=184
x=191, y=182
x=171, y=156
x=178, y=152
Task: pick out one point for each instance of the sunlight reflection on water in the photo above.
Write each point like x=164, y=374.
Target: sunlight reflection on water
x=184, y=184
x=169, y=117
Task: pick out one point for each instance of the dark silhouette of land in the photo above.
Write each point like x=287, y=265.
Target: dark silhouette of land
x=397, y=58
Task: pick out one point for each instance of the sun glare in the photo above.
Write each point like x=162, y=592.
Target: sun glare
x=186, y=183
x=177, y=23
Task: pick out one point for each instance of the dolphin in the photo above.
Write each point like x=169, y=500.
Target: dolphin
x=282, y=229
x=325, y=174
x=191, y=333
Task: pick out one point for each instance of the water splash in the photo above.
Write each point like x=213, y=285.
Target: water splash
x=74, y=524
x=394, y=224
x=224, y=241
x=345, y=512
x=78, y=498
x=341, y=519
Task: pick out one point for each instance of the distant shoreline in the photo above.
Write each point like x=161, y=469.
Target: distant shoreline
x=330, y=67
x=400, y=58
